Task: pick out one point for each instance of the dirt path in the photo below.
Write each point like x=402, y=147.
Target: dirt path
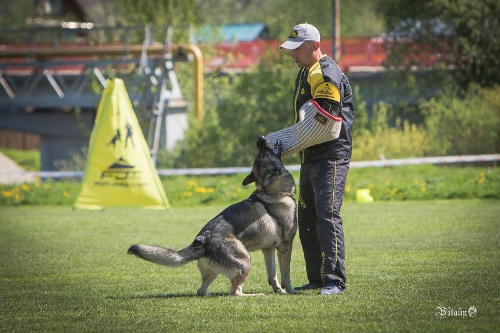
x=6, y=177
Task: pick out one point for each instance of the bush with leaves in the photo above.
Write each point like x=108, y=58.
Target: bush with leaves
x=237, y=110
x=461, y=123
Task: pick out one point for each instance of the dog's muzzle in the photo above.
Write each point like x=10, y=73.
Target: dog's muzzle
x=315, y=126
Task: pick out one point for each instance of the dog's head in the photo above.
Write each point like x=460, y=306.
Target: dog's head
x=267, y=165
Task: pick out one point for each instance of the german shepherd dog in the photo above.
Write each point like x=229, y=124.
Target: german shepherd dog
x=265, y=221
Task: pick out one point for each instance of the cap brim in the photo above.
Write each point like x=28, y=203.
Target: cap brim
x=291, y=45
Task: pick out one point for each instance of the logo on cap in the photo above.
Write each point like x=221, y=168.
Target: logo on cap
x=293, y=34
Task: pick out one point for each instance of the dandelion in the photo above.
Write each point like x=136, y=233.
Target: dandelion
x=204, y=190
x=423, y=189
x=46, y=186
x=188, y=194
x=192, y=183
x=480, y=181
x=387, y=182
x=7, y=193
x=37, y=185
x=415, y=181
x=25, y=187
x=66, y=194
x=481, y=174
x=348, y=188
x=394, y=190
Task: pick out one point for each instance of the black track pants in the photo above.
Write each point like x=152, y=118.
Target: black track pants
x=322, y=184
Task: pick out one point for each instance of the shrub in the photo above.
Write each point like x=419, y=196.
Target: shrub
x=461, y=123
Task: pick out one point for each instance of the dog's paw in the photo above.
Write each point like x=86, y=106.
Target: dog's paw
x=279, y=290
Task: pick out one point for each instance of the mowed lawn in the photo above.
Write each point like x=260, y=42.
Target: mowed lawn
x=412, y=267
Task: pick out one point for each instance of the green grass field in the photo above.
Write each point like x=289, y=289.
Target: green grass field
x=64, y=271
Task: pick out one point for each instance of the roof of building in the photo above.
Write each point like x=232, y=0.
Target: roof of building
x=239, y=32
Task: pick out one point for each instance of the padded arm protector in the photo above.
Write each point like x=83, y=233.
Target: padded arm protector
x=315, y=126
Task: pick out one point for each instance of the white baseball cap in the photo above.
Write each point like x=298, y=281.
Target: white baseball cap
x=300, y=34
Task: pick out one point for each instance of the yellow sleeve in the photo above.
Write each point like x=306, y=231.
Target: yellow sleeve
x=320, y=88
x=327, y=90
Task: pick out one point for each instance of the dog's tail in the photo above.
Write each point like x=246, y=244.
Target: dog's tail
x=167, y=257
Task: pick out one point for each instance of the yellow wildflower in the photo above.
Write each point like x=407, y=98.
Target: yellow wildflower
x=204, y=190
x=7, y=193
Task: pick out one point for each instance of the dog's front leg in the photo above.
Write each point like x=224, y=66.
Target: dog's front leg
x=284, y=259
x=272, y=278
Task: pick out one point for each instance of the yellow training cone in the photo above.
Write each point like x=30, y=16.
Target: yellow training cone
x=119, y=170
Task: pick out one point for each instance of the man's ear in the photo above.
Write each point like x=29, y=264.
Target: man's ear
x=248, y=179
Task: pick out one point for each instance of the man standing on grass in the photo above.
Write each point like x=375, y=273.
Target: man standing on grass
x=323, y=166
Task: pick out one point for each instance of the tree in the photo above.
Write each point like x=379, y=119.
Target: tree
x=160, y=13
x=15, y=13
x=282, y=15
x=461, y=33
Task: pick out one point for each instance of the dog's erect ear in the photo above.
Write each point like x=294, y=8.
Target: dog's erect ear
x=248, y=179
x=263, y=146
x=278, y=147
x=262, y=143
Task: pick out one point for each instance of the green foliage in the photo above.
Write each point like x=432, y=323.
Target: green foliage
x=14, y=14
x=464, y=34
x=282, y=16
x=64, y=271
x=162, y=13
x=77, y=162
x=237, y=110
x=408, y=141
x=464, y=123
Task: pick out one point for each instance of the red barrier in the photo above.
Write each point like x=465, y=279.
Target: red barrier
x=244, y=55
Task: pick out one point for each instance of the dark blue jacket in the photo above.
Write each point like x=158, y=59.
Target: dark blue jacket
x=328, y=85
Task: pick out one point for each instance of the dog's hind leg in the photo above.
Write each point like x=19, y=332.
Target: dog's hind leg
x=236, y=268
x=208, y=276
x=272, y=278
x=237, y=286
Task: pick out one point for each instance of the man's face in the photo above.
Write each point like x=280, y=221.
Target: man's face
x=304, y=54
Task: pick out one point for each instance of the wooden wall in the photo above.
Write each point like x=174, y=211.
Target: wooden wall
x=18, y=140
